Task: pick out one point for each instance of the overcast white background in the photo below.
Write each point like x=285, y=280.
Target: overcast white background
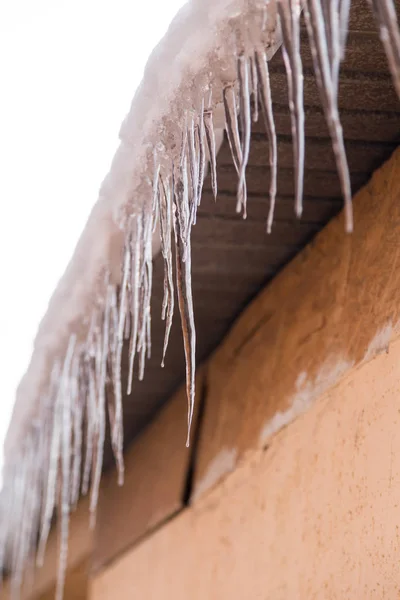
x=68, y=71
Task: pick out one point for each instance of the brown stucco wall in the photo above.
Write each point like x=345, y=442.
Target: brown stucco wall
x=314, y=515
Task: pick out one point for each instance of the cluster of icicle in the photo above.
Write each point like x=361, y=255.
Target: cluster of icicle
x=62, y=455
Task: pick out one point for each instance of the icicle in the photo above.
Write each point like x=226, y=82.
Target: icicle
x=344, y=13
x=254, y=87
x=193, y=168
x=144, y=345
x=137, y=240
x=5, y=529
x=210, y=138
x=260, y=60
x=55, y=448
x=155, y=193
x=202, y=153
x=333, y=37
x=117, y=430
x=184, y=289
x=232, y=131
x=244, y=91
x=101, y=412
x=323, y=71
x=385, y=15
x=77, y=396
x=65, y=467
x=231, y=126
x=289, y=13
x=165, y=211
x=21, y=509
x=27, y=509
x=127, y=332
x=90, y=425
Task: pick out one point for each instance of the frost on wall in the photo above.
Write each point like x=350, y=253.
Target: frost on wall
x=60, y=456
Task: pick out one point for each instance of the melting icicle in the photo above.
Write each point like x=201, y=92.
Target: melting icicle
x=137, y=236
x=231, y=125
x=65, y=467
x=21, y=509
x=55, y=448
x=117, y=430
x=165, y=211
x=184, y=289
x=260, y=60
x=254, y=87
x=289, y=13
x=194, y=174
x=202, y=153
x=155, y=206
x=344, y=13
x=146, y=276
x=323, y=71
x=244, y=91
x=127, y=332
x=210, y=138
x=103, y=342
x=90, y=425
x=77, y=396
x=232, y=131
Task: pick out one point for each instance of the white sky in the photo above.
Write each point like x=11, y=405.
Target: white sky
x=68, y=71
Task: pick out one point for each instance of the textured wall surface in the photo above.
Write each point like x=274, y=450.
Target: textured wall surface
x=315, y=515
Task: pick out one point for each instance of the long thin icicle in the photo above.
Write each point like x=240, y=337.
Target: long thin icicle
x=137, y=241
x=268, y=113
x=328, y=90
x=55, y=449
x=100, y=409
x=77, y=395
x=231, y=125
x=210, y=138
x=165, y=211
x=232, y=131
x=289, y=13
x=202, y=153
x=117, y=430
x=184, y=288
x=244, y=93
x=254, y=87
x=90, y=423
x=66, y=383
